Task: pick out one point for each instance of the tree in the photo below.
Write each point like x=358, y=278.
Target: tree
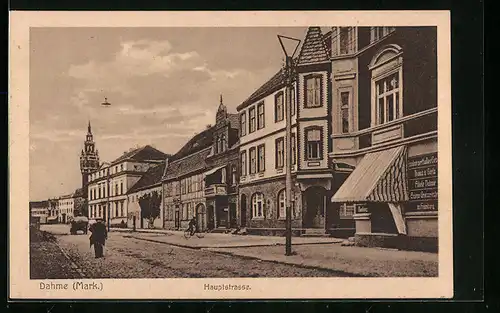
x=150, y=207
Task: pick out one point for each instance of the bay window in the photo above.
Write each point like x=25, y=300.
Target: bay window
x=314, y=144
x=313, y=91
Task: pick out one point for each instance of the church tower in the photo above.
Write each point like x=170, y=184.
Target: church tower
x=89, y=159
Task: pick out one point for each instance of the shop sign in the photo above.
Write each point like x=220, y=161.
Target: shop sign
x=423, y=182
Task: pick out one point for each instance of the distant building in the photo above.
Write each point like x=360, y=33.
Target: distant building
x=110, y=183
x=79, y=201
x=149, y=183
x=53, y=217
x=39, y=210
x=89, y=159
x=66, y=209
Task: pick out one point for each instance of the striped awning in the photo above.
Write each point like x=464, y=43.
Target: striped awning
x=379, y=177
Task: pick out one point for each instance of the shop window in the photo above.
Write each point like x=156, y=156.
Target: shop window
x=260, y=116
x=251, y=117
x=313, y=91
x=282, y=204
x=280, y=153
x=314, y=144
x=279, y=112
x=258, y=205
x=346, y=210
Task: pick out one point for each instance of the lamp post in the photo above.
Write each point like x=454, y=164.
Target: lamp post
x=289, y=46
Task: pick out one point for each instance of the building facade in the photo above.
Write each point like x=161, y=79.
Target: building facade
x=66, y=209
x=39, y=210
x=108, y=186
x=53, y=216
x=262, y=154
x=384, y=135
x=221, y=179
x=149, y=184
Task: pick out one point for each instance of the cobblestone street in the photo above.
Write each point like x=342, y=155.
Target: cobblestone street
x=127, y=257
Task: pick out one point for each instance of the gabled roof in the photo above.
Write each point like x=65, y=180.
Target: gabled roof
x=191, y=163
x=314, y=49
x=150, y=178
x=198, y=142
x=142, y=154
x=274, y=83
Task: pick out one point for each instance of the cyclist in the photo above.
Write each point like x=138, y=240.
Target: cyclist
x=192, y=226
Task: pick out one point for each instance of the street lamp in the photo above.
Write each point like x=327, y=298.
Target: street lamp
x=289, y=46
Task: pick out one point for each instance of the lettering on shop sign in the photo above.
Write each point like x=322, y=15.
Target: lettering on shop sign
x=423, y=182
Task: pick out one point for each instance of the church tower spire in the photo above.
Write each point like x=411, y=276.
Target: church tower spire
x=89, y=158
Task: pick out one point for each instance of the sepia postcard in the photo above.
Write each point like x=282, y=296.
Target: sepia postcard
x=230, y=155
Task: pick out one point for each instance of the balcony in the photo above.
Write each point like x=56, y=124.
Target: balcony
x=216, y=190
x=416, y=125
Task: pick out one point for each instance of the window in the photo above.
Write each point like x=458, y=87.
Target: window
x=184, y=211
x=253, y=161
x=121, y=187
x=387, y=99
x=282, y=204
x=377, y=33
x=292, y=100
x=346, y=210
x=223, y=175
x=243, y=124
x=116, y=208
x=294, y=150
x=279, y=157
x=121, y=209
x=183, y=186
x=223, y=143
x=313, y=92
x=121, y=167
x=261, y=161
x=279, y=113
x=99, y=196
x=344, y=40
x=243, y=160
x=116, y=189
x=233, y=175
x=313, y=144
x=260, y=113
x=344, y=110
x=251, y=116
x=258, y=205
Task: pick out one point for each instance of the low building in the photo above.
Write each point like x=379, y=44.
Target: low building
x=66, y=209
x=183, y=184
x=108, y=186
x=149, y=184
x=384, y=138
x=39, y=211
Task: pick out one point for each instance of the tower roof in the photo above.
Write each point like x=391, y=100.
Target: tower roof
x=89, y=128
x=314, y=49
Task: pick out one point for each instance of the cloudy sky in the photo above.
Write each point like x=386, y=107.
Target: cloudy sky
x=163, y=83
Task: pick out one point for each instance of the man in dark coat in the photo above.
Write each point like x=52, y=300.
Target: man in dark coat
x=98, y=238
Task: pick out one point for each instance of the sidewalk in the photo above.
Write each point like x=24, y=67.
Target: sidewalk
x=357, y=261
x=220, y=240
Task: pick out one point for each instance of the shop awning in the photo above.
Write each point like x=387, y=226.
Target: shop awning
x=379, y=177
x=210, y=172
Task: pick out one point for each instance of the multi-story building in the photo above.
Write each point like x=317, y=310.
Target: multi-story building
x=53, y=216
x=39, y=211
x=149, y=183
x=262, y=153
x=384, y=135
x=66, y=208
x=183, y=183
x=221, y=179
x=108, y=186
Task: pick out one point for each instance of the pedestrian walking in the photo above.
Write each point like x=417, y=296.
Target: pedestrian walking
x=192, y=225
x=98, y=238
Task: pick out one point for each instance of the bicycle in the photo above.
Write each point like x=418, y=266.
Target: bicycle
x=200, y=234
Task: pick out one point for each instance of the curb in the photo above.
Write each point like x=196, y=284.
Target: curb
x=74, y=266
x=313, y=267
x=246, y=246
